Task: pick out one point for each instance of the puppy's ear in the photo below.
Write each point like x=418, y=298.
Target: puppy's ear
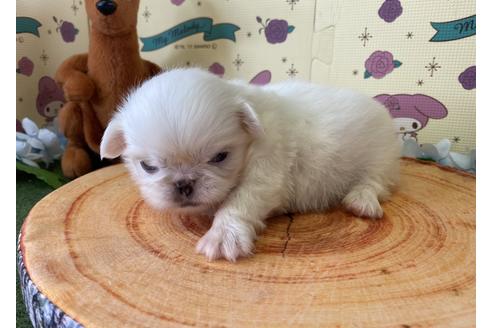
x=113, y=141
x=250, y=121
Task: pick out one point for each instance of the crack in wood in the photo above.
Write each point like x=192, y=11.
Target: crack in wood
x=291, y=219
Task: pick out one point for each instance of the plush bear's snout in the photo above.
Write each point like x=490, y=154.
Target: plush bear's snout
x=106, y=7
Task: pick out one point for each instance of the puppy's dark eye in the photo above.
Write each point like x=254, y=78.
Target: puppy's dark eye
x=148, y=168
x=219, y=157
x=415, y=125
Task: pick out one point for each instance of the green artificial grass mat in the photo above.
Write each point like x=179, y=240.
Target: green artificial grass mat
x=29, y=190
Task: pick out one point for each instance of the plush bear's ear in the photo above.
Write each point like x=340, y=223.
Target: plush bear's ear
x=250, y=121
x=113, y=141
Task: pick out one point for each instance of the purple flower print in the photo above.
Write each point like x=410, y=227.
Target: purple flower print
x=468, y=78
x=379, y=64
x=177, y=2
x=276, y=30
x=390, y=10
x=26, y=66
x=217, y=69
x=66, y=29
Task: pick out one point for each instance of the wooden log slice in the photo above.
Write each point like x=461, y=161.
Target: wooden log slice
x=101, y=256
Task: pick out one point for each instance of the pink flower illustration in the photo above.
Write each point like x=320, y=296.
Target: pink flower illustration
x=379, y=64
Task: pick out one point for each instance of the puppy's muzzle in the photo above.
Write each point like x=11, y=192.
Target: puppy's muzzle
x=184, y=187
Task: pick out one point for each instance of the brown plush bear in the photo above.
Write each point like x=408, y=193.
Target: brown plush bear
x=94, y=83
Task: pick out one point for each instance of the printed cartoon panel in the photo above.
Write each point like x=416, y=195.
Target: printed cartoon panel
x=380, y=47
x=258, y=41
x=48, y=31
x=407, y=49
x=411, y=113
x=230, y=38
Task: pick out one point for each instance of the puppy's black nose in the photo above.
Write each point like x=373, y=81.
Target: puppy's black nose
x=106, y=7
x=184, y=187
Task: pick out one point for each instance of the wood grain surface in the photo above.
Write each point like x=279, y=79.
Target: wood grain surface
x=100, y=254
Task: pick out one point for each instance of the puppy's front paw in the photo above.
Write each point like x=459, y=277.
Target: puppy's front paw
x=229, y=242
x=363, y=203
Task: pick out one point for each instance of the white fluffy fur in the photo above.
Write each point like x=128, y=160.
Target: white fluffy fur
x=293, y=147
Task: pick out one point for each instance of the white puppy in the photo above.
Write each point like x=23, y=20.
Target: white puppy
x=197, y=143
